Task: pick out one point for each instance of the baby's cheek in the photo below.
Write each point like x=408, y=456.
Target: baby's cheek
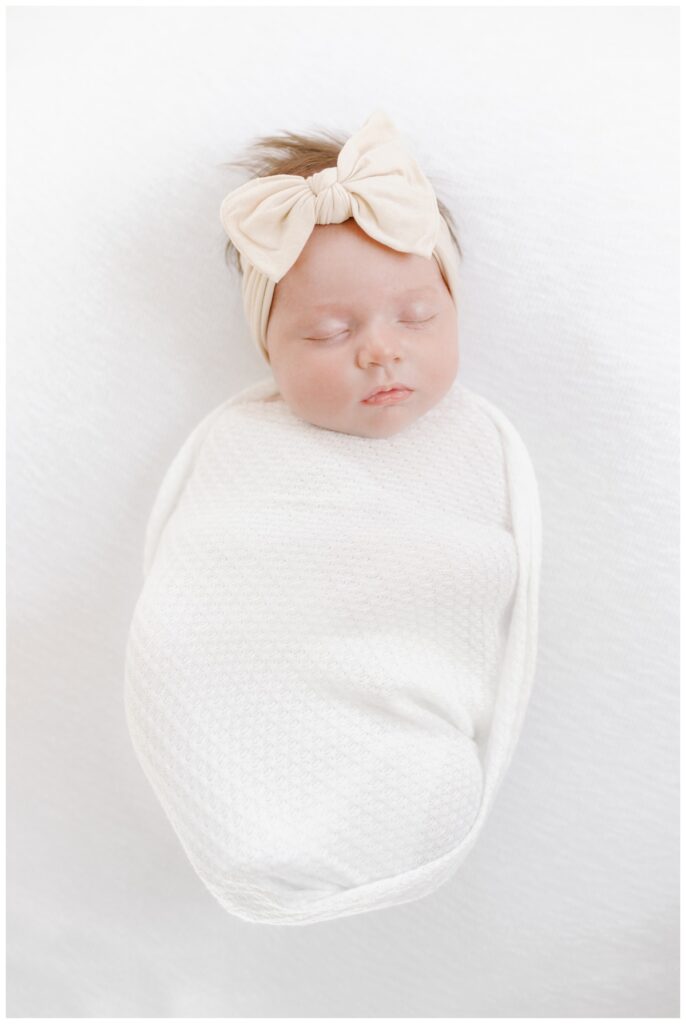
x=320, y=384
x=443, y=365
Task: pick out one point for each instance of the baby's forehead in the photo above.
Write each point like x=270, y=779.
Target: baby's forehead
x=350, y=273
x=336, y=248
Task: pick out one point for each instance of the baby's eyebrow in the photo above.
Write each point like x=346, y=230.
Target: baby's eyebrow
x=413, y=291
x=404, y=293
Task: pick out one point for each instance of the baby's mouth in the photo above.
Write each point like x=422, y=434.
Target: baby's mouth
x=389, y=397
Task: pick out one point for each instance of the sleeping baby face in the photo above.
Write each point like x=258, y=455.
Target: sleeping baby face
x=352, y=315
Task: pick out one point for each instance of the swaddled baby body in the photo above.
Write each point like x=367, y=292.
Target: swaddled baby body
x=314, y=658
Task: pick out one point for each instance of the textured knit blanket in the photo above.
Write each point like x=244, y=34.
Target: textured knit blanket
x=333, y=649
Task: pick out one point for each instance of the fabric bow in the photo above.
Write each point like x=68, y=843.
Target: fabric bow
x=375, y=180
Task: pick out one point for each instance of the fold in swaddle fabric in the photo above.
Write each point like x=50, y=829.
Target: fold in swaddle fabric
x=331, y=656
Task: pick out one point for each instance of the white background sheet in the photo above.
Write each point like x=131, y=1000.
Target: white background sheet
x=552, y=133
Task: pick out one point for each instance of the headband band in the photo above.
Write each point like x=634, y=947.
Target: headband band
x=376, y=181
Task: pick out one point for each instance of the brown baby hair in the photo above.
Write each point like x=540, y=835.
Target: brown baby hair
x=303, y=154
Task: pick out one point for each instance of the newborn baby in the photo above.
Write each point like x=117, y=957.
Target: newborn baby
x=332, y=653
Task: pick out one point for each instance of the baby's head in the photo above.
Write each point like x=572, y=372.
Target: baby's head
x=350, y=314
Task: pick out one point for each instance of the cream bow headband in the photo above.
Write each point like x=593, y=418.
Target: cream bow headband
x=375, y=180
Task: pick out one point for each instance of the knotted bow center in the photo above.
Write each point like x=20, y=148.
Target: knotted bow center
x=333, y=202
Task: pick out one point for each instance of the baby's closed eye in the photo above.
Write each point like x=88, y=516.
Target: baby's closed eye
x=425, y=321
x=414, y=323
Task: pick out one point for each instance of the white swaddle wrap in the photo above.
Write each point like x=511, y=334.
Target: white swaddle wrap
x=331, y=656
